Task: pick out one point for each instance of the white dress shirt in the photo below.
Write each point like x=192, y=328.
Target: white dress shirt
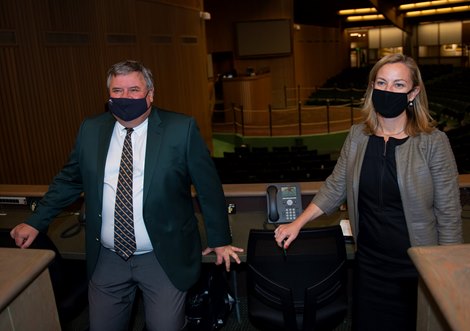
x=111, y=173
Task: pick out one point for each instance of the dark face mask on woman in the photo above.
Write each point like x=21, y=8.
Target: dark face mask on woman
x=389, y=104
x=128, y=109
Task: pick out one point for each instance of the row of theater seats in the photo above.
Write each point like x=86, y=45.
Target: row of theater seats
x=279, y=164
x=459, y=139
x=298, y=164
x=449, y=101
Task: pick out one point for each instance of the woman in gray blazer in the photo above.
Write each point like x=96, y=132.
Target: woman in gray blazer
x=398, y=175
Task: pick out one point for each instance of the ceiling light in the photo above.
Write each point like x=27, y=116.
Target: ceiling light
x=429, y=4
x=365, y=18
x=437, y=11
x=357, y=11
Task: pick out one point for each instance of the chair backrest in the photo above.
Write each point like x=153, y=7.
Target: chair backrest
x=302, y=289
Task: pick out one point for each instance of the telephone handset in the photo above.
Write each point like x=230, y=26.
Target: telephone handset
x=284, y=202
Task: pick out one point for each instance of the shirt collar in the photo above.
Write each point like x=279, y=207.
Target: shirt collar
x=138, y=129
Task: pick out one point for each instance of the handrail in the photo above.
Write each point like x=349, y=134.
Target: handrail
x=300, y=119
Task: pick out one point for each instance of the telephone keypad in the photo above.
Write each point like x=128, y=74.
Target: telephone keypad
x=291, y=214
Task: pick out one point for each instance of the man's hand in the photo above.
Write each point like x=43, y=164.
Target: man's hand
x=24, y=235
x=223, y=254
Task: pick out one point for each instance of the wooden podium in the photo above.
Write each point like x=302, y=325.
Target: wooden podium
x=26, y=295
x=254, y=93
x=444, y=291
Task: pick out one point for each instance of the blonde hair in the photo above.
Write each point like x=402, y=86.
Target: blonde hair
x=419, y=118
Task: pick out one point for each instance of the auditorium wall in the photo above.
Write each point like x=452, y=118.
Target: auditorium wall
x=54, y=55
x=318, y=53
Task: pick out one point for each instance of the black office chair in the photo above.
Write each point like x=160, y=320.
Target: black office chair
x=304, y=289
x=68, y=278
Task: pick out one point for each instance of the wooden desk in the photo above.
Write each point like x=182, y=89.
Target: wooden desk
x=69, y=248
x=251, y=92
x=240, y=224
x=230, y=190
x=26, y=295
x=443, y=293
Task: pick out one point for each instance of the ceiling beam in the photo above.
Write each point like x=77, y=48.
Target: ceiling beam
x=391, y=13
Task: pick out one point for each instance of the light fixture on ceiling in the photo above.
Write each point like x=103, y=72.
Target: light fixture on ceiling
x=437, y=11
x=428, y=4
x=357, y=11
x=365, y=18
x=409, y=10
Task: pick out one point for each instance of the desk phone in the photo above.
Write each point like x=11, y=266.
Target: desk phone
x=284, y=202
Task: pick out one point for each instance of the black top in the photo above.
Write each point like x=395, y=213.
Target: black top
x=383, y=237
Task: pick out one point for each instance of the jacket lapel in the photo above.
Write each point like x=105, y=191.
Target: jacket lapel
x=105, y=134
x=154, y=141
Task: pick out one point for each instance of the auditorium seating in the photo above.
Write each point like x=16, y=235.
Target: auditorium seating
x=460, y=141
x=447, y=89
x=277, y=164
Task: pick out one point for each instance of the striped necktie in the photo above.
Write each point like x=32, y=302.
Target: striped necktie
x=124, y=237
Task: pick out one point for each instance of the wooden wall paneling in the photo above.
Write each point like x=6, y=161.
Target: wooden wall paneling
x=221, y=37
x=13, y=148
x=466, y=33
x=42, y=113
x=159, y=50
x=193, y=66
x=282, y=74
x=47, y=54
x=220, y=29
x=119, y=16
x=119, y=28
x=9, y=91
x=193, y=4
x=187, y=41
x=173, y=45
x=64, y=33
x=314, y=47
x=8, y=13
x=54, y=55
x=53, y=73
x=30, y=92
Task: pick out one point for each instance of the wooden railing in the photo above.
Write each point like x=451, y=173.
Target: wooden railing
x=300, y=120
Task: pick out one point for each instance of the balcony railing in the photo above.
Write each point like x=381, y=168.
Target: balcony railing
x=303, y=119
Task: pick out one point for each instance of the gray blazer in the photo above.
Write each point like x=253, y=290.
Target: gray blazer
x=427, y=179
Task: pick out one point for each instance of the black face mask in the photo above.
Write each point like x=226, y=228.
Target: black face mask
x=389, y=104
x=128, y=109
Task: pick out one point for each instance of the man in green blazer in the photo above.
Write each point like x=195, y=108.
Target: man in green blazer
x=168, y=157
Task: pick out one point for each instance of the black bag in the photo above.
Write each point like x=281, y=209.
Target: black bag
x=208, y=302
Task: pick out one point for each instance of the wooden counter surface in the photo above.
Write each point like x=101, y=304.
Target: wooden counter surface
x=19, y=268
x=231, y=190
x=444, y=281
x=26, y=296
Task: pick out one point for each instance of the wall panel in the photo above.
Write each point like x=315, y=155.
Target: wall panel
x=428, y=34
x=450, y=33
x=315, y=47
x=54, y=55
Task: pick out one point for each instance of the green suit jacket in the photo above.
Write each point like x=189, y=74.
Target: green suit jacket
x=176, y=158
